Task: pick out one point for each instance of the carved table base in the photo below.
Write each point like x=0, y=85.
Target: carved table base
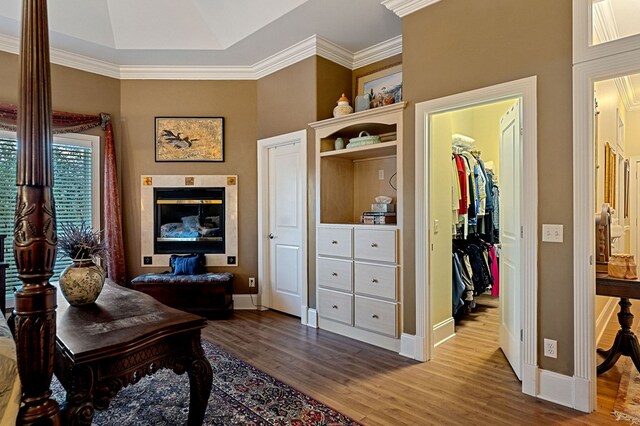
x=123, y=337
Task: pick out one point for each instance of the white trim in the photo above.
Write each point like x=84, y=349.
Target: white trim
x=408, y=345
x=378, y=52
x=264, y=145
x=314, y=45
x=556, y=388
x=634, y=203
x=529, y=379
x=403, y=8
x=248, y=302
x=628, y=95
x=585, y=75
x=526, y=89
x=312, y=318
x=443, y=331
x=604, y=317
x=583, y=48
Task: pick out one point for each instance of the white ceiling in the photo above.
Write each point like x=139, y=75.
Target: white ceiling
x=204, y=32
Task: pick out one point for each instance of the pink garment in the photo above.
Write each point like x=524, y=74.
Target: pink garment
x=495, y=272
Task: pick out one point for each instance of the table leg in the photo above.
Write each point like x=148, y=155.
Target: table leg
x=200, y=381
x=78, y=409
x=626, y=342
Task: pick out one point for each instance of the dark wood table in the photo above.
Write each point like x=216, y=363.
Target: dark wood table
x=626, y=342
x=124, y=336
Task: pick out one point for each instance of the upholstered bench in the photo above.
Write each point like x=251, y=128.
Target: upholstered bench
x=208, y=294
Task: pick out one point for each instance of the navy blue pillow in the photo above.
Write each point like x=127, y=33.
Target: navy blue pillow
x=187, y=265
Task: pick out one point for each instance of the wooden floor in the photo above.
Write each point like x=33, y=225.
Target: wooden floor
x=609, y=381
x=469, y=382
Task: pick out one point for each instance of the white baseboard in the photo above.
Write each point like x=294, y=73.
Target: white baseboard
x=408, y=345
x=529, y=379
x=583, y=395
x=605, y=316
x=244, y=302
x=312, y=318
x=557, y=388
x=443, y=331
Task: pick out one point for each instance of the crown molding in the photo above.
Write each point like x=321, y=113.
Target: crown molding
x=377, y=52
x=61, y=57
x=628, y=95
x=314, y=45
x=403, y=8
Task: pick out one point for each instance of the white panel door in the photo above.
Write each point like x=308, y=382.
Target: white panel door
x=510, y=179
x=286, y=227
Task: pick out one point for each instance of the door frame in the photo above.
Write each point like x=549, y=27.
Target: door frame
x=585, y=75
x=264, y=293
x=525, y=89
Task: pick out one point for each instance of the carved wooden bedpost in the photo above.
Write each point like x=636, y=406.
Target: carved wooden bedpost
x=35, y=223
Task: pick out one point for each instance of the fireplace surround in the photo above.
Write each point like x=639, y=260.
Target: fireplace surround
x=189, y=214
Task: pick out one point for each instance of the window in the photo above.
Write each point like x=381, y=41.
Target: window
x=76, y=190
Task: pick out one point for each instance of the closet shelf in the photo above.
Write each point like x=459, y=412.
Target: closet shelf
x=384, y=149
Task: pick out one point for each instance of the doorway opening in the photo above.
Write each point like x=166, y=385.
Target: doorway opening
x=452, y=124
x=475, y=237
x=616, y=136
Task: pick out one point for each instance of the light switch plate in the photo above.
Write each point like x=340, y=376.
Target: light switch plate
x=552, y=233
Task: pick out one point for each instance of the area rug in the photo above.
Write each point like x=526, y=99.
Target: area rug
x=241, y=395
x=627, y=405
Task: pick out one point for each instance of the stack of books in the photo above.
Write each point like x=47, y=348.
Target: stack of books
x=378, y=218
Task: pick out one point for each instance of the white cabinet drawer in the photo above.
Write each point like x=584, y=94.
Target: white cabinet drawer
x=334, y=241
x=377, y=315
x=335, y=306
x=376, y=280
x=334, y=273
x=374, y=244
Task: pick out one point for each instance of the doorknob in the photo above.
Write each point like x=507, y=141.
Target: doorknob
x=271, y=236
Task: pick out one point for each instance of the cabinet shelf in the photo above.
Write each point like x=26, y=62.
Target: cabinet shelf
x=383, y=149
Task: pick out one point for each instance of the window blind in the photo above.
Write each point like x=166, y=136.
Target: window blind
x=72, y=191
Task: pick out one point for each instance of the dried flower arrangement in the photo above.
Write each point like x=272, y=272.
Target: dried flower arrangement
x=80, y=242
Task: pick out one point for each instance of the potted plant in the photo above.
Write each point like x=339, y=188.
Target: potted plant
x=82, y=281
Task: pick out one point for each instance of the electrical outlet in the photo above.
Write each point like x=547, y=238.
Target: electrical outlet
x=252, y=282
x=551, y=348
x=381, y=174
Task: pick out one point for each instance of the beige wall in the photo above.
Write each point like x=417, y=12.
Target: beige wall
x=460, y=45
x=235, y=101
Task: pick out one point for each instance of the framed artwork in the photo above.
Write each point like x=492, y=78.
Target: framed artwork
x=189, y=139
x=384, y=86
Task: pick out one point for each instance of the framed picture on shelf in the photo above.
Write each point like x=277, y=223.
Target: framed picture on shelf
x=384, y=86
x=189, y=139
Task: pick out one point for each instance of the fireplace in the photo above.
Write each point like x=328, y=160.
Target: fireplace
x=189, y=214
x=189, y=220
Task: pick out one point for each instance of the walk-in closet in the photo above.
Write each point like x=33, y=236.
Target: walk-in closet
x=474, y=210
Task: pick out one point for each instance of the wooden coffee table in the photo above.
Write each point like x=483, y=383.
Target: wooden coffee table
x=123, y=337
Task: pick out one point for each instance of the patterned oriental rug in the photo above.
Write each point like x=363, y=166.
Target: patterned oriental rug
x=241, y=395
x=627, y=405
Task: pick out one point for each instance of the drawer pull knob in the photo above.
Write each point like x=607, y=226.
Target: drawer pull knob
x=374, y=245
x=335, y=306
x=374, y=280
x=335, y=274
x=334, y=242
x=374, y=316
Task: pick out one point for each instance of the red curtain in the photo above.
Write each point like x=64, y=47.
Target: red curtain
x=65, y=122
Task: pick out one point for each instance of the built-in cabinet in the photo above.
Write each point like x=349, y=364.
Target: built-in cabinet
x=359, y=267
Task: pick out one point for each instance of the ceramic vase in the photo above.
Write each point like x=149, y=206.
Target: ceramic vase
x=343, y=107
x=81, y=282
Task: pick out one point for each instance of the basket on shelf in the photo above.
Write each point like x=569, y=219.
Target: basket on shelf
x=363, y=140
